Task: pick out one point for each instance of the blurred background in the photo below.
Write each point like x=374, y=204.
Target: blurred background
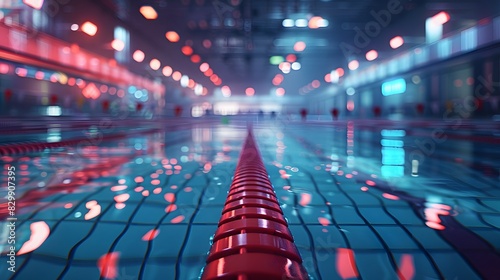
x=399, y=59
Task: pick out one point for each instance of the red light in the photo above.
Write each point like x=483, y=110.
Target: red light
x=187, y=50
x=350, y=105
x=441, y=18
x=346, y=263
x=316, y=84
x=91, y=91
x=214, y=78
x=291, y=58
x=209, y=72
x=340, y=72
x=4, y=68
x=226, y=91
x=39, y=75
x=328, y=78
x=396, y=42
x=22, y=72
x=280, y=91
x=195, y=58
x=204, y=67
x=207, y=43
x=299, y=46
x=315, y=22
x=250, y=91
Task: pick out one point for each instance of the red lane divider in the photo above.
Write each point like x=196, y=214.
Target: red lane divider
x=31, y=147
x=253, y=241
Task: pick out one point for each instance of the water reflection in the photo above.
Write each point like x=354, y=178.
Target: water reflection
x=393, y=154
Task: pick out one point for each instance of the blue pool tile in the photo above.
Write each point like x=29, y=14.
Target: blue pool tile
x=374, y=265
x=63, y=238
x=453, y=266
x=428, y=237
x=376, y=215
x=405, y=216
x=347, y=215
x=327, y=237
x=99, y=242
x=168, y=242
x=492, y=219
x=361, y=237
x=159, y=270
x=396, y=238
x=208, y=215
x=33, y=269
x=131, y=244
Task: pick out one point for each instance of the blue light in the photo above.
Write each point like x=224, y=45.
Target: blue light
x=394, y=87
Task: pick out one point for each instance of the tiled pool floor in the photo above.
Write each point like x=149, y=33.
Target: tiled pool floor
x=363, y=200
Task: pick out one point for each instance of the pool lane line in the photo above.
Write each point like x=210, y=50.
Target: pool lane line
x=253, y=240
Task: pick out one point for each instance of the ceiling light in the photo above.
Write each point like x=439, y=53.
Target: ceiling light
x=288, y=22
x=148, y=12
x=353, y=65
x=118, y=45
x=155, y=64
x=89, y=28
x=138, y=56
x=204, y=67
x=167, y=71
x=371, y=55
x=396, y=42
x=249, y=91
x=172, y=36
x=301, y=22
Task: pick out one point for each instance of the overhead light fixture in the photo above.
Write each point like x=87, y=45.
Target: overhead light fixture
x=155, y=64
x=250, y=91
x=89, y=28
x=167, y=71
x=353, y=65
x=302, y=22
x=371, y=55
x=118, y=45
x=288, y=23
x=148, y=12
x=396, y=42
x=172, y=36
x=138, y=56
